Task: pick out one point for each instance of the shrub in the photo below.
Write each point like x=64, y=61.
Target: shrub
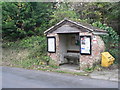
x=111, y=40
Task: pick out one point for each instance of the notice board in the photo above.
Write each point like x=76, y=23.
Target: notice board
x=85, y=45
x=51, y=44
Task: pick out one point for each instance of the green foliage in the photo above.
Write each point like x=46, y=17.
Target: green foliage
x=91, y=11
x=30, y=19
x=89, y=69
x=54, y=66
x=62, y=11
x=111, y=40
x=37, y=63
x=28, y=42
x=32, y=42
x=38, y=50
x=37, y=53
x=20, y=19
x=105, y=12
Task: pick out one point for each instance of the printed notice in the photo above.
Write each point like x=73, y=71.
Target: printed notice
x=85, y=45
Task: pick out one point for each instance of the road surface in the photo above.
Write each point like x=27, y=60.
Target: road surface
x=23, y=78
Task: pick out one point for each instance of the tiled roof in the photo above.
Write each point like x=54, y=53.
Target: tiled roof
x=89, y=27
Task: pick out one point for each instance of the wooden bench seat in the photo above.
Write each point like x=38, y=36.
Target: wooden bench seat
x=73, y=51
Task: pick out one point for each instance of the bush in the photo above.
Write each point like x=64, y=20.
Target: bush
x=111, y=40
x=28, y=42
x=36, y=46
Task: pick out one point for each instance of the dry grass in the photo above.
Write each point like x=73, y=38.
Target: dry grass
x=12, y=57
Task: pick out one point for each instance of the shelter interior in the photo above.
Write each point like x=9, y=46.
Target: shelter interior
x=69, y=45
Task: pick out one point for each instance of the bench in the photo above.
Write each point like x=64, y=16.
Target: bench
x=72, y=56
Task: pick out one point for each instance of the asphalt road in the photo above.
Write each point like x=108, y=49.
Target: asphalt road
x=22, y=78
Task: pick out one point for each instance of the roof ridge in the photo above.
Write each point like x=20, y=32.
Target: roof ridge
x=87, y=26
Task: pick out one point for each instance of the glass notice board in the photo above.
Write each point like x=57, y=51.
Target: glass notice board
x=85, y=45
x=51, y=44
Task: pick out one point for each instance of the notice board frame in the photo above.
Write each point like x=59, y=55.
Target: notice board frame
x=54, y=44
x=88, y=36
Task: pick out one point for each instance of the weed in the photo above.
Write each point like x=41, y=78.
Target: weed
x=89, y=69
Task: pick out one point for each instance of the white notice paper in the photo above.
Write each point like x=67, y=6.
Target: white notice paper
x=85, y=45
x=51, y=44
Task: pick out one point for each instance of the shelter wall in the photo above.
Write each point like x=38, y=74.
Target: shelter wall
x=87, y=61
x=55, y=56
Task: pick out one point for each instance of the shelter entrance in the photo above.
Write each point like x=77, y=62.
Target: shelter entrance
x=69, y=48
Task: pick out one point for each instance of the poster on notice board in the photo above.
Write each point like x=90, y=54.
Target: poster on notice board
x=85, y=45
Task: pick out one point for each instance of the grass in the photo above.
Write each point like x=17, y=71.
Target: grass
x=65, y=72
x=19, y=58
x=73, y=73
x=30, y=53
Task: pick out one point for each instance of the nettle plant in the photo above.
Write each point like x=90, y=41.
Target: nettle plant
x=111, y=40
